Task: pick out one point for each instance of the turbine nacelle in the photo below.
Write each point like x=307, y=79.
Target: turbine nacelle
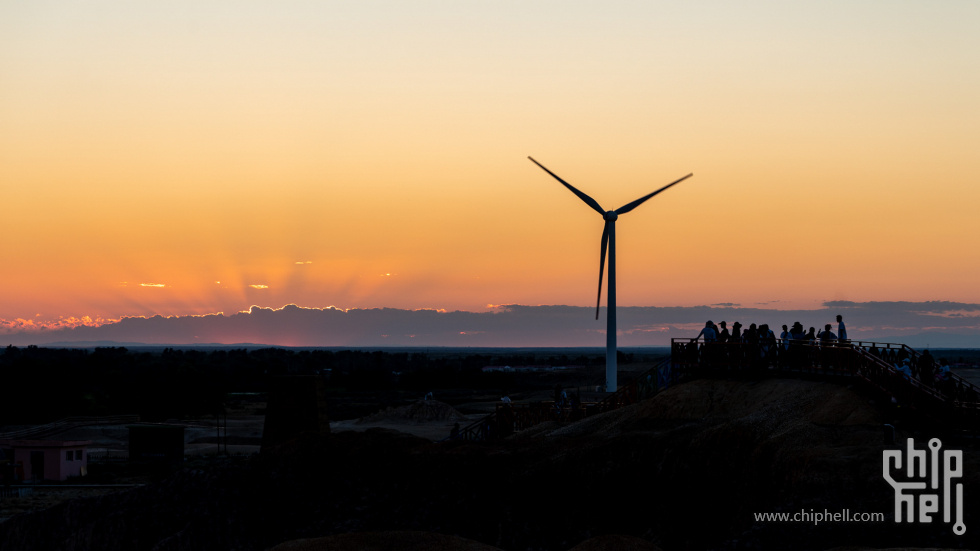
x=610, y=216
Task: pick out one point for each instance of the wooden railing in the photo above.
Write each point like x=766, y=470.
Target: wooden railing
x=953, y=399
x=956, y=388
x=956, y=398
x=649, y=383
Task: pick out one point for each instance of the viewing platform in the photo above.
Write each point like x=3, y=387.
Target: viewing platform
x=895, y=374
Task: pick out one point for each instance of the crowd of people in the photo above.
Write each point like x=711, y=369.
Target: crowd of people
x=763, y=334
x=923, y=368
x=759, y=347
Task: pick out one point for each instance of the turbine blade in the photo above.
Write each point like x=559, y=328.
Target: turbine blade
x=630, y=206
x=602, y=264
x=588, y=200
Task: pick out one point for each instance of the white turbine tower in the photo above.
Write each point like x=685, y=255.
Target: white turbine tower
x=608, y=239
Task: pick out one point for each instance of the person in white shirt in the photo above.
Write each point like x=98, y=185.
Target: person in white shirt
x=904, y=369
x=785, y=337
x=710, y=335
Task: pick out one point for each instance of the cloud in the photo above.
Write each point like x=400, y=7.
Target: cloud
x=902, y=306
x=153, y=285
x=501, y=325
x=649, y=329
x=259, y=286
x=958, y=313
x=31, y=327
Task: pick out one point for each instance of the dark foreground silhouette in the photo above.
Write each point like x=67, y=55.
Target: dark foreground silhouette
x=684, y=470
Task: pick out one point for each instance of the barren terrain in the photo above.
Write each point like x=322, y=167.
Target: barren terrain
x=684, y=470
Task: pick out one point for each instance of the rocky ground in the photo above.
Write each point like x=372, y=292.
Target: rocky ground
x=684, y=470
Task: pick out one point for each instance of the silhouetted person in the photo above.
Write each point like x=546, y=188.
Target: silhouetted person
x=723, y=335
x=751, y=339
x=574, y=405
x=811, y=338
x=709, y=333
x=767, y=341
x=827, y=337
x=733, y=350
x=926, y=361
x=942, y=375
x=796, y=337
x=841, y=330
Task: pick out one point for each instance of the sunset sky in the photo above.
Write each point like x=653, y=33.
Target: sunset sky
x=198, y=157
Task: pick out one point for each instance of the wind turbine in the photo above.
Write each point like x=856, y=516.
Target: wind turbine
x=608, y=239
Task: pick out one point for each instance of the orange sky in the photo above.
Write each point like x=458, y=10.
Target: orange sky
x=369, y=154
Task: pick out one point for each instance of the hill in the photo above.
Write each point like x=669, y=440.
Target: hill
x=686, y=469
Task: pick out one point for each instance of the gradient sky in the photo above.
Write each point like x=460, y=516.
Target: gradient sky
x=199, y=157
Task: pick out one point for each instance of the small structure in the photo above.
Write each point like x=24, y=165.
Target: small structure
x=156, y=444
x=46, y=459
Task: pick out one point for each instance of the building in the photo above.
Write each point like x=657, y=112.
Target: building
x=46, y=459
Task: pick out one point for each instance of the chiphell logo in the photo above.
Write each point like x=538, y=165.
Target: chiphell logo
x=928, y=477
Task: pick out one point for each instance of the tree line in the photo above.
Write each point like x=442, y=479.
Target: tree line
x=40, y=385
